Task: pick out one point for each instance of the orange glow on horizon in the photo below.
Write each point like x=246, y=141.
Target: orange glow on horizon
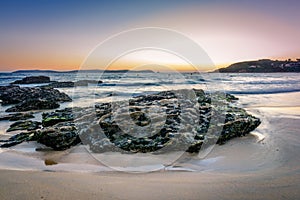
x=133, y=66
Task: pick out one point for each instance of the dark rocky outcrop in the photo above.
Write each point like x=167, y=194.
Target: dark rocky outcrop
x=17, y=139
x=185, y=126
x=59, y=137
x=183, y=120
x=33, y=80
x=52, y=118
x=54, y=84
x=24, y=125
x=33, y=104
x=31, y=98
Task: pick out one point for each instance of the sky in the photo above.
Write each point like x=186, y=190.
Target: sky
x=60, y=35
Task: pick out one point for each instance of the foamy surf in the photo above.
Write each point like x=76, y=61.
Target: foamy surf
x=260, y=137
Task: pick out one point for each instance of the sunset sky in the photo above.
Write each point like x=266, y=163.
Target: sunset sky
x=55, y=34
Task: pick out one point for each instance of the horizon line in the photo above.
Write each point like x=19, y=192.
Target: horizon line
x=217, y=66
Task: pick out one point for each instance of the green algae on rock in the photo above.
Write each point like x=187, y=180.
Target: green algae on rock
x=24, y=125
x=52, y=118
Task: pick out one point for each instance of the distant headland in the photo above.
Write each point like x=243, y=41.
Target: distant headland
x=262, y=66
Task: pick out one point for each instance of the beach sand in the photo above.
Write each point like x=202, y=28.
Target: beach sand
x=158, y=185
x=250, y=167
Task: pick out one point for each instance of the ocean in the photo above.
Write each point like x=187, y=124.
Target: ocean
x=132, y=84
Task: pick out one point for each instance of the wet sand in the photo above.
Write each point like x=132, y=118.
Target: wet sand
x=158, y=185
x=243, y=168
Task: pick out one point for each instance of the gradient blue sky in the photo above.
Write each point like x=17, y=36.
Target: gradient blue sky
x=53, y=34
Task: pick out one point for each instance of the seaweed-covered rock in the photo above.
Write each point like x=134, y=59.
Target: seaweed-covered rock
x=17, y=139
x=24, y=125
x=52, y=118
x=17, y=116
x=59, y=137
x=33, y=80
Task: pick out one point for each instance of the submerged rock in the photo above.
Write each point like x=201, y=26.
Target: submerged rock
x=24, y=125
x=67, y=84
x=182, y=120
x=86, y=82
x=17, y=116
x=33, y=80
x=64, y=84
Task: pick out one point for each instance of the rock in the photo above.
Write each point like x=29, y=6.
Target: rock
x=59, y=137
x=67, y=84
x=17, y=116
x=52, y=118
x=16, y=94
x=33, y=80
x=86, y=82
x=33, y=104
x=140, y=118
x=10, y=143
x=180, y=130
x=102, y=109
x=181, y=120
x=27, y=97
x=24, y=125
x=50, y=162
x=17, y=139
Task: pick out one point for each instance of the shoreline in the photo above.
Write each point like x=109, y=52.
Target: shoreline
x=241, y=169
x=219, y=159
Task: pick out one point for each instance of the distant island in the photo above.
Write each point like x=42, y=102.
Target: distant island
x=262, y=66
x=85, y=71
